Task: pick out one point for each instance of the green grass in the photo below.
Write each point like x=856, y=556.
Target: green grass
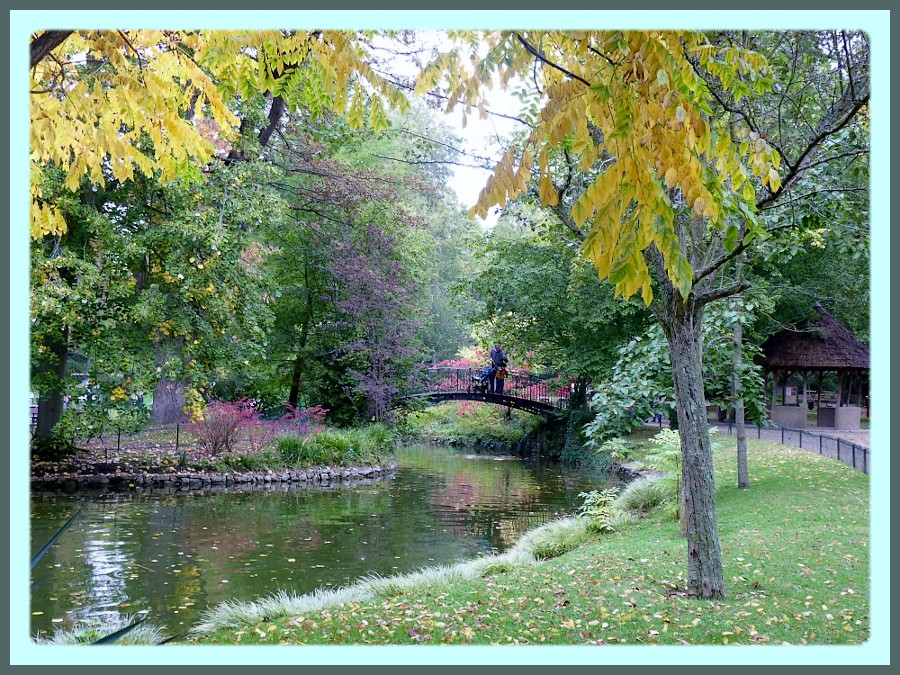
x=795, y=551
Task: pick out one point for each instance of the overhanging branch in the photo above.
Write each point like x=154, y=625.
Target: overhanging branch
x=45, y=43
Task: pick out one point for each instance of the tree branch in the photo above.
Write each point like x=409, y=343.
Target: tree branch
x=813, y=194
x=722, y=292
x=275, y=112
x=45, y=43
x=536, y=54
x=839, y=116
x=563, y=214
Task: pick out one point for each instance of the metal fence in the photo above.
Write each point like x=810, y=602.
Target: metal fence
x=828, y=446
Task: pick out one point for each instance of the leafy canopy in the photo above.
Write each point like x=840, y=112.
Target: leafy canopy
x=106, y=104
x=632, y=107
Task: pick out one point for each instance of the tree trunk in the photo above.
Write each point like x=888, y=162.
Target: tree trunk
x=50, y=398
x=294, y=394
x=740, y=426
x=705, y=576
x=168, y=396
x=168, y=401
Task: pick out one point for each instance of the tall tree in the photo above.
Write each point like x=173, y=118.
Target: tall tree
x=114, y=106
x=672, y=151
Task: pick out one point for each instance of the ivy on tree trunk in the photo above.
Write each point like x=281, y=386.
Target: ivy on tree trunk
x=50, y=398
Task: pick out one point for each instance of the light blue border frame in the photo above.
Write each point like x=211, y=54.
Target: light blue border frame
x=875, y=22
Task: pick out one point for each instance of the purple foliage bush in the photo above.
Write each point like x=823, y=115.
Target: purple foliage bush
x=226, y=425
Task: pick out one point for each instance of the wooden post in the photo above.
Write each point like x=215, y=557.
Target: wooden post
x=819, y=397
x=774, y=387
x=840, y=389
x=859, y=398
x=805, y=388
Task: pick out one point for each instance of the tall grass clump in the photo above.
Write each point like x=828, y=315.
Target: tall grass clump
x=91, y=633
x=372, y=444
x=555, y=538
x=644, y=494
x=282, y=603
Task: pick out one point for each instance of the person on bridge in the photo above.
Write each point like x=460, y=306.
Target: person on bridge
x=497, y=356
x=500, y=377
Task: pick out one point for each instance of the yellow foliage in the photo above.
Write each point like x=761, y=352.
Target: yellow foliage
x=157, y=84
x=633, y=100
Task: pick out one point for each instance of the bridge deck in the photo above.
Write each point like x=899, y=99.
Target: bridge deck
x=541, y=396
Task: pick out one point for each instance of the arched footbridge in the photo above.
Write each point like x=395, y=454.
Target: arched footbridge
x=545, y=396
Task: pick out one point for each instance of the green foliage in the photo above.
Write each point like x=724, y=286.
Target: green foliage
x=463, y=422
x=614, y=451
x=640, y=384
x=542, y=299
x=598, y=508
x=644, y=494
x=54, y=448
x=373, y=444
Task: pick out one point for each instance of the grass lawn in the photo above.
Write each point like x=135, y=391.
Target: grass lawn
x=795, y=549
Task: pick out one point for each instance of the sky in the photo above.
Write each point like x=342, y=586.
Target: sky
x=480, y=136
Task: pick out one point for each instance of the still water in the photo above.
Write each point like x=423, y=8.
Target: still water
x=175, y=554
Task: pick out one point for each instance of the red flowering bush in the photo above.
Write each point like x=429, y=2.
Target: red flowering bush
x=467, y=408
x=222, y=425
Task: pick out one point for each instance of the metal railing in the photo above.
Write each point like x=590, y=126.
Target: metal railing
x=554, y=391
x=842, y=450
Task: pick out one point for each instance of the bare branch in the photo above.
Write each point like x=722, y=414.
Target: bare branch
x=536, y=54
x=722, y=292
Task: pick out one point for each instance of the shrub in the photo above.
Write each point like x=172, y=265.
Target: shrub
x=338, y=447
x=303, y=420
x=644, y=494
x=52, y=449
x=222, y=424
x=598, y=509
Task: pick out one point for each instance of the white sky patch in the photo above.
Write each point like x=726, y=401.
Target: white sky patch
x=481, y=137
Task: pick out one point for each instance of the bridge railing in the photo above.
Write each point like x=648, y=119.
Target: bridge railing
x=554, y=390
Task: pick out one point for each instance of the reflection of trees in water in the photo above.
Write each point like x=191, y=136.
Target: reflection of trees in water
x=438, y=508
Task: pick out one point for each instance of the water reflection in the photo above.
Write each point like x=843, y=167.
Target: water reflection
x=174, y=554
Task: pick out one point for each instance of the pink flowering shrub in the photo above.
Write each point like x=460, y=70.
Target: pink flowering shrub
x=227, y=425
x=468, y=408
x=222, y=425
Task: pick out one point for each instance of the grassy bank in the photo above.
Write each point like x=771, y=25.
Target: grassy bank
x=262, y=447
x=795, y=550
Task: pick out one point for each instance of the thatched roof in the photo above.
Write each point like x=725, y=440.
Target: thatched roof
x=825, y=344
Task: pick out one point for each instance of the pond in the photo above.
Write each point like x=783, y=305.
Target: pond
x=177, y=553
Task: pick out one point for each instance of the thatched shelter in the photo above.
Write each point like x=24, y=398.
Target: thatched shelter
x=824, y=345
